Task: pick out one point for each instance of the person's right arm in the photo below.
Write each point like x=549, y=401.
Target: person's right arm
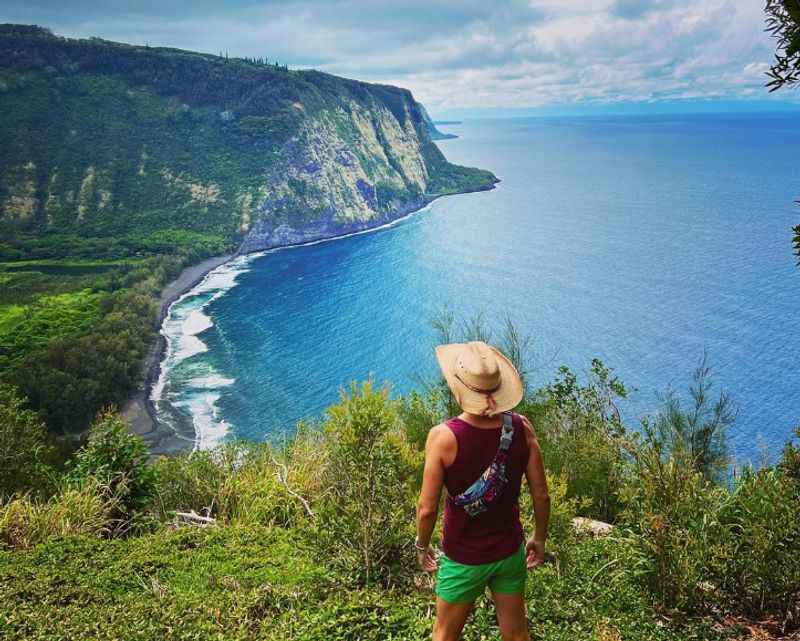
x=537, y=485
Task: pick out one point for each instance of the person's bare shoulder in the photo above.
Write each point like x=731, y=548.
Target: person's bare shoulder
x=530, y=433
x=441, y=442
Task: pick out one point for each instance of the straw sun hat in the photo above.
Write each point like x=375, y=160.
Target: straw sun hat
x=482, y=379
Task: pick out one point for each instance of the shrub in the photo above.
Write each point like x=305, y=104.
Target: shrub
x=244, y=482
x=562, y=536
x=420, y=412
x=582, y=436
x=790, y=463
x=700, y=431
x=670, y=523
x=84, y=509
x=368, y=520
x=26, y=454
x=118, y=461
x=188, y=481
x=757, y=566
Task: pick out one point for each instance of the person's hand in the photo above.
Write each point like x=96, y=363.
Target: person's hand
x=427, y=560
x=534, y=556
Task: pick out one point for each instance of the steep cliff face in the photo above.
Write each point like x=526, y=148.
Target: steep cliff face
x=99, y=138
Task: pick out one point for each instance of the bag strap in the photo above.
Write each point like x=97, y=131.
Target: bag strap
x=508, y=431
x=472, y=498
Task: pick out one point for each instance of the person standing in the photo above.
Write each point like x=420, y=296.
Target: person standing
x=479, y=457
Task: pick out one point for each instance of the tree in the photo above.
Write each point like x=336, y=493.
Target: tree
x=783, y=22
x=118, y=461
x=699, y=431
x=26, y=453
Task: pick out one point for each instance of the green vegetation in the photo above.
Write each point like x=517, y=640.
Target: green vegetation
x=120, y=165
x=783, y=22
x=26, y=453
x=104, y=139
x=311, y=538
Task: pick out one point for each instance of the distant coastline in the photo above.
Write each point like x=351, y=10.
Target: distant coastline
x=139, y=410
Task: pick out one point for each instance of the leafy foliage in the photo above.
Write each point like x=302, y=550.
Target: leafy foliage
x=757, y=565
x=118, y=462
x=699, y=431
x=581, y=432
x=85, y=509
x=245, y=483
x=672, y=524
x=783, y=22
x=26, y=453
x=72, y=379
x=368, y=517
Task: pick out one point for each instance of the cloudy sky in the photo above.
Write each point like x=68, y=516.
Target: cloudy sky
x=466, y=56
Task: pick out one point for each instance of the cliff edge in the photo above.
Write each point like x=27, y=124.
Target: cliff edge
x=100, y=139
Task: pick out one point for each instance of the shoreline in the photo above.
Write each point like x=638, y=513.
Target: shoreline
x=139, y=410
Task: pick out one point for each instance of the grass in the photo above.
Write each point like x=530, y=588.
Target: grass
x=27, y=328
x=254, y=582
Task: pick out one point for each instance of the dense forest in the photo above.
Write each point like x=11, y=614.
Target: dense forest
x=120, y=165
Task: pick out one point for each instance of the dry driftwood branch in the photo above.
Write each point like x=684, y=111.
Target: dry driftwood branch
x=283, y=473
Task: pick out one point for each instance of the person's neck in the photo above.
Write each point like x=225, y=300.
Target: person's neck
x=482, y=422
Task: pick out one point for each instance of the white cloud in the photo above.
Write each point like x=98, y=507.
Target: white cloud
x=464, y=53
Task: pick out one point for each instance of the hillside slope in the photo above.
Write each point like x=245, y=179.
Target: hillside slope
x=101, y=138
x=122, y=165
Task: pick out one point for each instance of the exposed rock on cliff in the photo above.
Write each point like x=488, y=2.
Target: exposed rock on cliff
x=100, y=138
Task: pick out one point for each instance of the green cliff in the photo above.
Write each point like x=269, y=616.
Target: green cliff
x=99, y=139
x=122, y=165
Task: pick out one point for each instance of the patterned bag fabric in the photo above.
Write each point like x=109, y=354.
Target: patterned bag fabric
x=477, y=498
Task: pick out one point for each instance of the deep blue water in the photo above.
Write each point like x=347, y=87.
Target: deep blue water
x=641, y=241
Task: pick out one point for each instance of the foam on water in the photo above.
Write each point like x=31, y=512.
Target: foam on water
x=182, y=396
x=187, y=389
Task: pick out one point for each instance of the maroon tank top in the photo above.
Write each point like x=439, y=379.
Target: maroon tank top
x=497, y=533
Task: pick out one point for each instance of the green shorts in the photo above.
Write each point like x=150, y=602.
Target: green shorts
x=460, y=583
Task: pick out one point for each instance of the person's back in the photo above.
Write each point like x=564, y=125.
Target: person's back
x=479, y=457
x=496, y=533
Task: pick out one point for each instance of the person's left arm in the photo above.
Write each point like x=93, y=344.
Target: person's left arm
x=428, y=503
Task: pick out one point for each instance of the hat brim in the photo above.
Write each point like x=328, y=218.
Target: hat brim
x=506, y=397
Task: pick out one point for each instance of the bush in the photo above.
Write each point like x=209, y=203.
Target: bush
x=420, y=412
x=367, y=520
x=245, y=483
x=85, y=509
x=671, y=525
x=562, y=536
x=790, y=463
x=757, y=566
x=118, y=461
x=191, y=481
x=701, y=430
x=582, y=437
x=26, y=454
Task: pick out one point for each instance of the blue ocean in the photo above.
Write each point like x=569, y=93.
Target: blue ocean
x=642, y=241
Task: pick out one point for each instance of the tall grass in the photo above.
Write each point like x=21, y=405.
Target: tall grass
x=87, y=509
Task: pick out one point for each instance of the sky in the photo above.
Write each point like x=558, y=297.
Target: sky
x=465, y=58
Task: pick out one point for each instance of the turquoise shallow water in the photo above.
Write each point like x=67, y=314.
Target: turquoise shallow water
x=641, y=241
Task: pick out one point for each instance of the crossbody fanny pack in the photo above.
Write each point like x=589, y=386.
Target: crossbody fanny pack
x=477, y=498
